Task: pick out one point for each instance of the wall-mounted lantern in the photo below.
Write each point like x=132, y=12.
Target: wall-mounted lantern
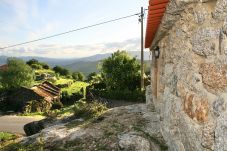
x=157, y=52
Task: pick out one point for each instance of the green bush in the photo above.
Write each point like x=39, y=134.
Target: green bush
x=6, y=136
x=87, y=110
x=68, y=99
x=36, y=66
x=57, y=105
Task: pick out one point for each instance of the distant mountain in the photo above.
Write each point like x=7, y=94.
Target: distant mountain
x=85, y=65
x=51, y=61
x=98, y=57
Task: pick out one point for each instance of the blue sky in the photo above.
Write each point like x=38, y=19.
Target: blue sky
x=24, y=20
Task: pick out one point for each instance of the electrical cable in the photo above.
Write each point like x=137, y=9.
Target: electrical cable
x=70, y=31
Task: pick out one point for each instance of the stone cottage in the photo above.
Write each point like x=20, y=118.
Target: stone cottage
x=38, y=98
x=188, y=41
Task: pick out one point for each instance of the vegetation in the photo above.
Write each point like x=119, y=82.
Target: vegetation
x=79, y=76
x=91, y=76
x=18, y=74
x=87, y=110
x=35, y=64
x=4, y=136
x=62, y=71
x=119, y=78
x=121, y=72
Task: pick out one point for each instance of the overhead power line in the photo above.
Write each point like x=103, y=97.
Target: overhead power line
x=70, y=31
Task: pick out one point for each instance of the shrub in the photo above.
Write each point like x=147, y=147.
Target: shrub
x=87, y=110
x=57, y=105
x=36, y=66
x=62, y=71
x=45, y=66
x=6, y=136
x=79, y=76
x=68, y=99
x=17, y=75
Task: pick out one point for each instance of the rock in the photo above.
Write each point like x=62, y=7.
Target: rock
x=221, y=133
x=204, y=41
x=133, y=142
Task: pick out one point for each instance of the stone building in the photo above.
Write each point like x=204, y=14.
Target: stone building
x=38, y=98
x=188, y=41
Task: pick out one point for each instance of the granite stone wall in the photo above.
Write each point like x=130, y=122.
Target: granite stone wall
x=191, y=75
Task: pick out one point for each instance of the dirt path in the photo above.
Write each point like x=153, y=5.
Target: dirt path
x=15, y=124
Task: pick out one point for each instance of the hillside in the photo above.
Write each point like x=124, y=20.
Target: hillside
x=85, y=67
x=91, y=66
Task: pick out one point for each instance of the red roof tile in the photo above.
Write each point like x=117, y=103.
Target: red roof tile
x=156, y=11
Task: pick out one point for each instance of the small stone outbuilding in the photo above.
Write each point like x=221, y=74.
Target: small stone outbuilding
x=38, y=98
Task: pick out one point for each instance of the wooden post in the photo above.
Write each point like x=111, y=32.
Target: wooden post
x=142, y=48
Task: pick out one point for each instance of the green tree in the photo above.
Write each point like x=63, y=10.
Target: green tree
x=35, y=64
x=32, y=61
x=121, y=72
x=79, y=76
x=62, y=71
x=18, y=74
x=90, y=76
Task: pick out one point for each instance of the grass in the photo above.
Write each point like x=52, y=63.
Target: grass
x=45, y=71
x=34, y=114
x=76, y=87
x=4, y=136
x=63, y=81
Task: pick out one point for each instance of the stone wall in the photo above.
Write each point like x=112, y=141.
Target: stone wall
x=191, y=72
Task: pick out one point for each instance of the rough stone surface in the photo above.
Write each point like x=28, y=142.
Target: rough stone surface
x=128, y=128
x=133, y=142
x=192, y=76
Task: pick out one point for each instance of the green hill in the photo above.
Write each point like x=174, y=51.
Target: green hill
x=84, y=66
x=92, y=66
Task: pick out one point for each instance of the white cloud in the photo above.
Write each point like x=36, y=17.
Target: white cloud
x=60, y=51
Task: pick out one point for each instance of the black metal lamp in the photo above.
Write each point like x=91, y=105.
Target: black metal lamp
x=157, y=52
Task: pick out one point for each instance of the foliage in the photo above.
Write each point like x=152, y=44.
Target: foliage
x=4, y=136
x=32, y=61
x=68, y=99
x=35, y=64
x=121, y=72
x=73, y=93
x=17, y=146
x=57, y=105
x=76, y=87
x=87, y=110
x=18, y=74
x=36, y=106
x=79, y=76
x=62, y=71
x=91, y=76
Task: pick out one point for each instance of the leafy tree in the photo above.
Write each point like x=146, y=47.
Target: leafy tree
x=35, y=64
x=32, y=61
x=18, y=74
x=62, y=71
x=91, y=75
x=79, y=76
x=45, y=66
x=121, y=72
